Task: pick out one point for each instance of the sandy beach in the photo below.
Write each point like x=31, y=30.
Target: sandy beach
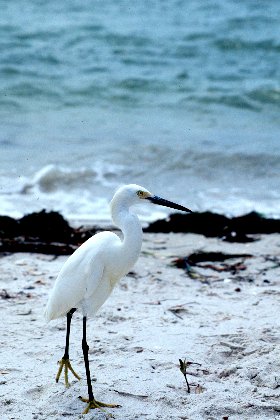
x=223, y=316
x=182, y=98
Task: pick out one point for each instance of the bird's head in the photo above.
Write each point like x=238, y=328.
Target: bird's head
x=131, y=194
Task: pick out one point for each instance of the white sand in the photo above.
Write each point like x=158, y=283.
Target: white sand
x=141, y=332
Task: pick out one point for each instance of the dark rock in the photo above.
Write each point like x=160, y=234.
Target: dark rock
x=255, y=223
x=42, y=232
x=46, y=226
x=49, y=232
x=9, y=227
x=209, y=224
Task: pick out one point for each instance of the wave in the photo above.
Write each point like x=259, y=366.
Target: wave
x=227, y=182
x=53, y=177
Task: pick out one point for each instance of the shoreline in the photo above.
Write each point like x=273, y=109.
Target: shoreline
x=49, y=233
x=224, y=320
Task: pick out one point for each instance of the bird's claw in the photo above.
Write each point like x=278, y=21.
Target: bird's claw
x=92, y=404
x=67, y=366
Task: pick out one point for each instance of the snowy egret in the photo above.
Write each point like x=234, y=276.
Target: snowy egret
x=89, y=275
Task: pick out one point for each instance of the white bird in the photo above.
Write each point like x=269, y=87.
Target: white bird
x=89, y=275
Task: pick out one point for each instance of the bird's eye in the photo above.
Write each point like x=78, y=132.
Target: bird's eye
x=140, y=193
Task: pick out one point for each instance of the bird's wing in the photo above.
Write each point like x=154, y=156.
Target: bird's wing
x=78, y=279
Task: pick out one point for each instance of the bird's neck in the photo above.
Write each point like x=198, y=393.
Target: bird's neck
x=132, y=235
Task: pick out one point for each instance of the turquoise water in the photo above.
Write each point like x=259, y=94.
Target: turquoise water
x=182, y=97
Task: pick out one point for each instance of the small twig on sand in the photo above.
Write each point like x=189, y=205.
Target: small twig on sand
x=184, y=364
x=128, y=394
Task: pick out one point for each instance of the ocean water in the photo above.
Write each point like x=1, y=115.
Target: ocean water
x=182, y=97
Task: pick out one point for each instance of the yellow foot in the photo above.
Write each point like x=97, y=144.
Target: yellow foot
x=67, y=366
x=96, y=404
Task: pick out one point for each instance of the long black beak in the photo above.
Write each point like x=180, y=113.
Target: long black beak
x=162, y=202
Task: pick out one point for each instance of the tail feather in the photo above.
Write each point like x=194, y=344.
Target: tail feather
x=49, y=313
x=53, y=311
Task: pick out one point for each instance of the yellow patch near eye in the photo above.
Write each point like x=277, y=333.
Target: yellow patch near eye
x=142, y=194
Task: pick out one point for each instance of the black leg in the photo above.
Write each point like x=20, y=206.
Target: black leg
x=69, y=319
x=64, y=363
x=85, y=351
x=91, y=402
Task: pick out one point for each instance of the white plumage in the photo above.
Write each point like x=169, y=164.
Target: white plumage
x=89, y=275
